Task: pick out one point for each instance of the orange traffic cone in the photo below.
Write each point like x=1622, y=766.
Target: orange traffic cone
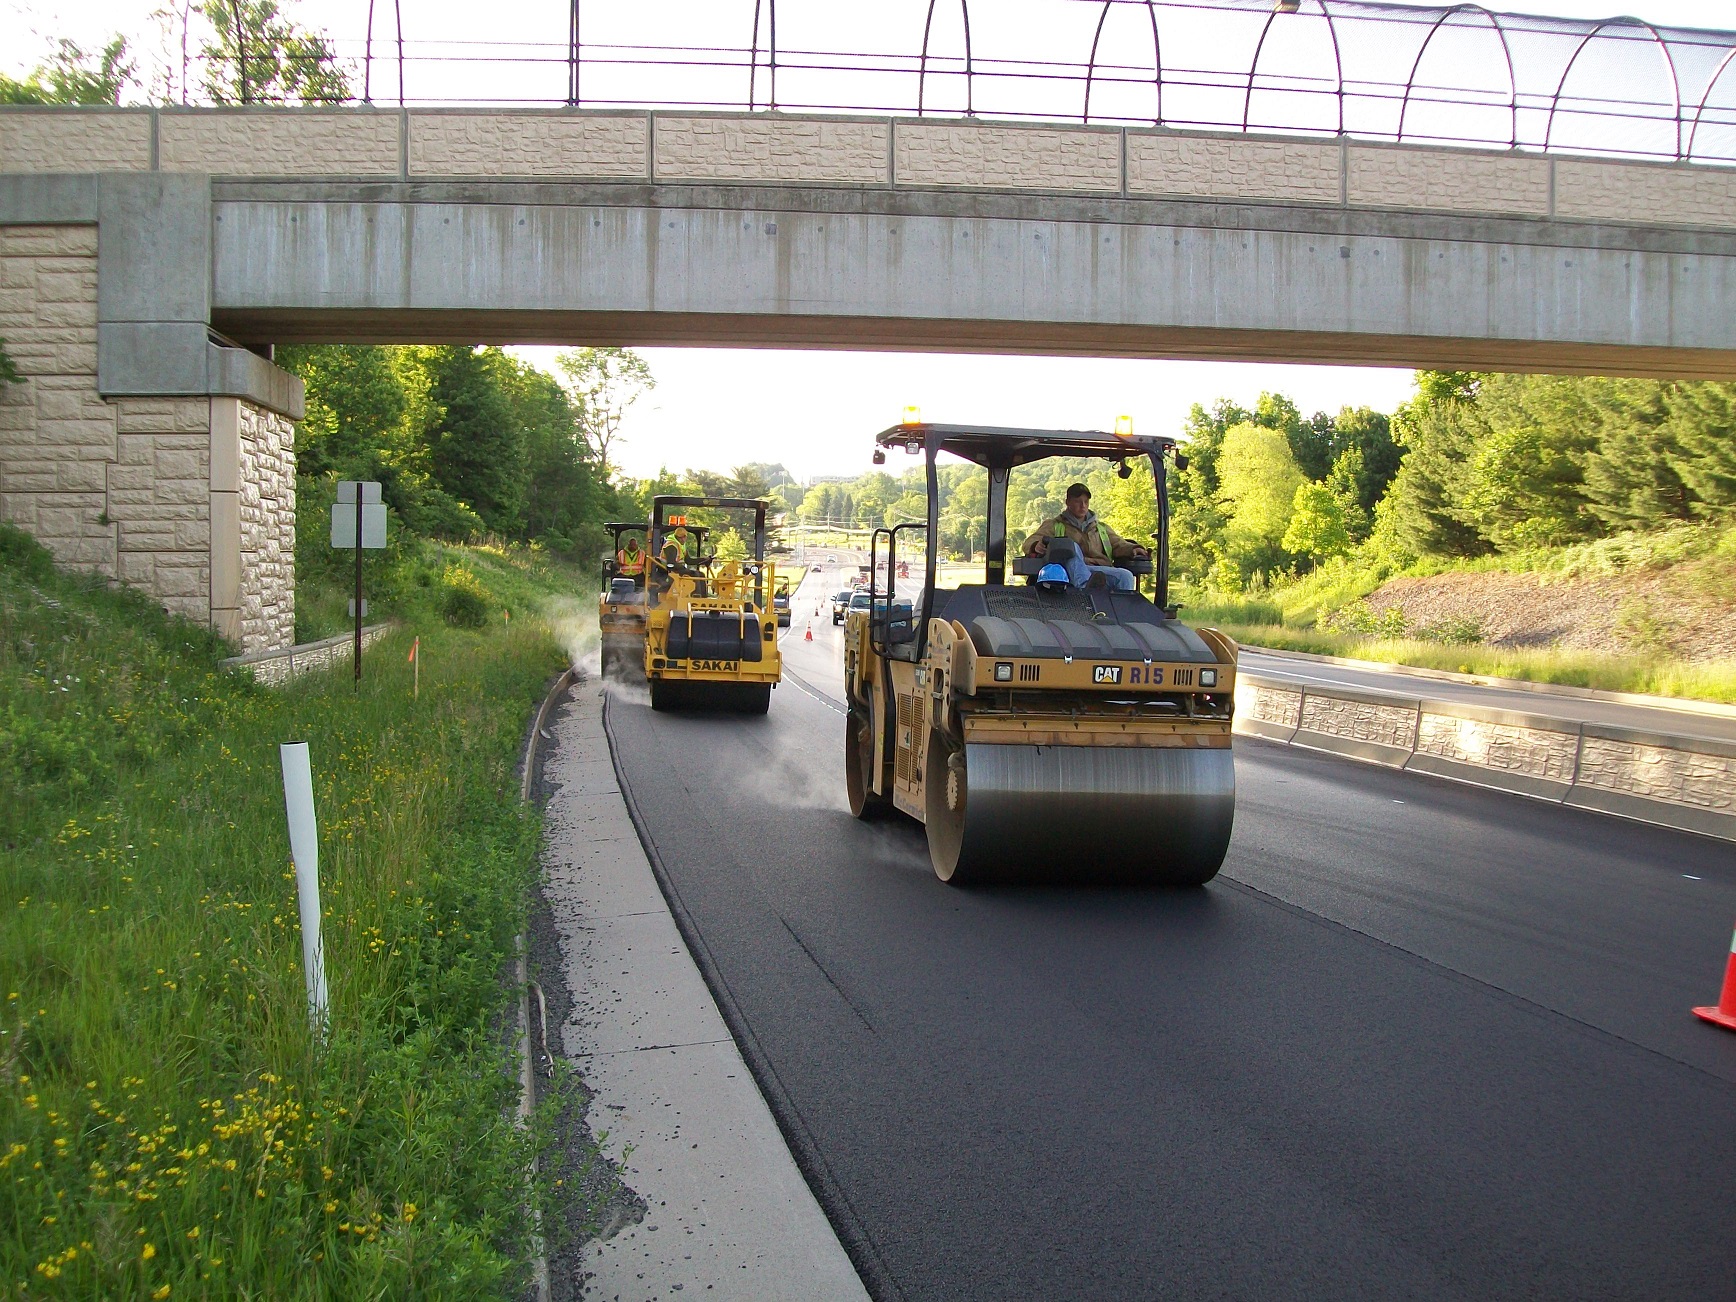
x=1725, y=1013
x=809, y=637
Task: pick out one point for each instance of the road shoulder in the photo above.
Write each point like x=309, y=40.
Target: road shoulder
x=728, y=1214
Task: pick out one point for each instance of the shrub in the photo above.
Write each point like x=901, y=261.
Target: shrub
x=463, y=600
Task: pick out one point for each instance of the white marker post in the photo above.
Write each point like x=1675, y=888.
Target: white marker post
x=304, y=845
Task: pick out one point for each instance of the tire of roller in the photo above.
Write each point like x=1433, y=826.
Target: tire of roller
x=1066, y=815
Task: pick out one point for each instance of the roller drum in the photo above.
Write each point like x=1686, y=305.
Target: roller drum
x=1066, y=814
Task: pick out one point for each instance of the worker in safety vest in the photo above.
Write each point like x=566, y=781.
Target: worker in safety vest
x=1099, y=545
x=630, y=561
x=676, y=550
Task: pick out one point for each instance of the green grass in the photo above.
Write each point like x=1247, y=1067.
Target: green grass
x=168, y=1127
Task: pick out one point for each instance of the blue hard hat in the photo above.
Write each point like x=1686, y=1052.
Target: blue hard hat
x=1052, y=576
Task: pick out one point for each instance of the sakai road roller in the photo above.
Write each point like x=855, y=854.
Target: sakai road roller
x=1041, y=731
x=621, y=608
x=711, y=633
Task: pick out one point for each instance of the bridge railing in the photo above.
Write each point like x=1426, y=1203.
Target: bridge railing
x=1458, y=74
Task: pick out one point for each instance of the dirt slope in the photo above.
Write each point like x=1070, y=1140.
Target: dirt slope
x=1687, y=611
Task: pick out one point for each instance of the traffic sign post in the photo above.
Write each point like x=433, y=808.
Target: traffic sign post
x=359, y=521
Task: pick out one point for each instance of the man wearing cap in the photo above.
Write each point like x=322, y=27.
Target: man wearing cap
x=1099, y=545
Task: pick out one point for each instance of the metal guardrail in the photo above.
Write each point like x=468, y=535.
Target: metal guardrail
x=1458, y=74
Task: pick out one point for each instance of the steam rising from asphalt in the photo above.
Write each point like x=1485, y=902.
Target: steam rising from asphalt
x=574, y=621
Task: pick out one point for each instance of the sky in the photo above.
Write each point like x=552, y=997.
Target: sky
x=814, y=412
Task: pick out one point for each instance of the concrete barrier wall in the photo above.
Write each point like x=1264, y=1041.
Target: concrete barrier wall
x=274, y=668
x=1675, y=781
x=262, y=143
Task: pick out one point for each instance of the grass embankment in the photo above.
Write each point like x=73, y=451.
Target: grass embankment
x=167, y=1126
x=1662, y=595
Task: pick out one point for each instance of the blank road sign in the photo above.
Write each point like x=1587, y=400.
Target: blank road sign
x=373, y=514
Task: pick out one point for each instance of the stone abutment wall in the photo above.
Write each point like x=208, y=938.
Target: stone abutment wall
x=188, y=498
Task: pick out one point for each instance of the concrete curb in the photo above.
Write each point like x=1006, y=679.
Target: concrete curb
x=1685, y=783
x=729, y=1213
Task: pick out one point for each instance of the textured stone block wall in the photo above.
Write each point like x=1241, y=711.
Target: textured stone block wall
x=1385, y=725
x=76, y=140
x=162, y=507
x=1645, y=194
x=1654, y=772
x=1276, y=706
x=990, y=157
x=267, y=518
x=301, y=142
x=796, y=149
x=772, y=149
x=1535, y=752
x=1217, y=167
x=58, y=438
x=1448, y=180
x=127, y=486
x=529, y=144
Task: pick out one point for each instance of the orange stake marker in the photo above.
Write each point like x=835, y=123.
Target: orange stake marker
x=1725, y=1013
x=415, y=669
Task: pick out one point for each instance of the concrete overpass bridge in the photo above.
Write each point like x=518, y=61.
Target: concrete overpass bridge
x=149, y=258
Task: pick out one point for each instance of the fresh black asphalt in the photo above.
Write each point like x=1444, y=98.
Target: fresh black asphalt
x=1416, y=1040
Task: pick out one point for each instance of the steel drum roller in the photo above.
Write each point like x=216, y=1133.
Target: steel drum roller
x=1063, y=814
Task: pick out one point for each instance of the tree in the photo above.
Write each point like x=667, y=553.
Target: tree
x=1531, y=437
x=1702, y=421
x=563, y=494
x=1316, y=529
x=70, y=77
x=254, y=54
x=1258, y=478
x=1633, y=479
x=731, y=546
x=606, y=382
x=475, y=443
x=1370, y=433
x=1344, y=482
x=1419, y=513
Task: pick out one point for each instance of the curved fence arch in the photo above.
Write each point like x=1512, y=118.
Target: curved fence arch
x=1382, y=71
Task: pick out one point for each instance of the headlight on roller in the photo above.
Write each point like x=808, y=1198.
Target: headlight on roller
x=1208, y=678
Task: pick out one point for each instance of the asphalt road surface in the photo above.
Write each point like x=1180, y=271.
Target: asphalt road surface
x=1416, y=1040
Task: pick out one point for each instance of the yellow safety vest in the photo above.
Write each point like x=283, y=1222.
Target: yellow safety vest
x=1102, y=534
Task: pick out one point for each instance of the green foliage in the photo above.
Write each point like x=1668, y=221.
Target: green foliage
x=9, y=372
x=604, y=382
x=1316, y=529
x=1257, y=483
x=73, y=76
x=463, y=600
x=254, y=54
x=475, y=444
x=730, y=546
x=169, y=1127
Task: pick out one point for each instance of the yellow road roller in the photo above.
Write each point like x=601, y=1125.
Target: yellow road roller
x=711, y=633
x=1057, y=728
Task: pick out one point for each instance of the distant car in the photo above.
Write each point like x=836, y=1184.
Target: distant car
x=840, y=603
x=862, y=599
x=781, y=604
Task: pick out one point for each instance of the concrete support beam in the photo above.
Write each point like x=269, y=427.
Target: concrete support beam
x=787, y=266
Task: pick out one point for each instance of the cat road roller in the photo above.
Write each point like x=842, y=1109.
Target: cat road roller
x=711, y=633
x=1042, y=732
